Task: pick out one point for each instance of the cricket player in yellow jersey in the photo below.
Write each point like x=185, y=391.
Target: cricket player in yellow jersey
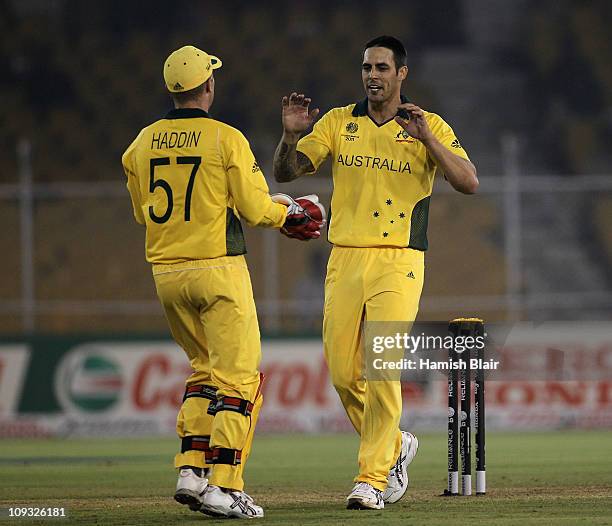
x=384, y=153
x=191, y=178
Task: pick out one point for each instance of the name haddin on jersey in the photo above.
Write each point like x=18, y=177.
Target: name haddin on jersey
x=183, y=139
x=192, y=179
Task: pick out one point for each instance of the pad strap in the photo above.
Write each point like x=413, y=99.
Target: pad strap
x=231, y=403
x=223, y=455
x=201, y=391
x=198, y=443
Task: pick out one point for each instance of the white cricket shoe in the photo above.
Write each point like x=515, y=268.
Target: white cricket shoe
x=227, y=503
x=397, y=481
x=190, y=488
x=365, y=497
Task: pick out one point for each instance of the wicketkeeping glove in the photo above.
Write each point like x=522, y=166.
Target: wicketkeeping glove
x=305, y=216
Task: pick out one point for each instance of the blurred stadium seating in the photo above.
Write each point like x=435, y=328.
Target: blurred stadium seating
x=79, y=79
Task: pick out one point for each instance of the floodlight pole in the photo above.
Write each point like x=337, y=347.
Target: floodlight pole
x=26, y=226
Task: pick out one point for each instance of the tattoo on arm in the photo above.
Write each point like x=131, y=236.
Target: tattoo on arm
x=289, y=164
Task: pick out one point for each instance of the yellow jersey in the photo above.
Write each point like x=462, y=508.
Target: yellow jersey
x=383, y=178
x=190, y=179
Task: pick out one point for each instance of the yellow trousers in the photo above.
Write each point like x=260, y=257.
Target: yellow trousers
x=369, y=284
x=211, y=313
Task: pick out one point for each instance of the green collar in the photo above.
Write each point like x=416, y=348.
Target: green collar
x=361, y=108
x=185, y=113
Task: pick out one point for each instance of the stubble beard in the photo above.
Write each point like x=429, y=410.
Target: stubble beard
x=380, y=101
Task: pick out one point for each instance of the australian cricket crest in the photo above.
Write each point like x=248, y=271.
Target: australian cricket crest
x=352, y=127
x=403, y=136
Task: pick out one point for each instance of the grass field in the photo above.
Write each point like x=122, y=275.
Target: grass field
x=561, y=478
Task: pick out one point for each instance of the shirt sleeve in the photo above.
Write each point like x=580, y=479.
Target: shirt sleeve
x=445, y=134
x=247, y=185
x=317, y=145
x=132, y=182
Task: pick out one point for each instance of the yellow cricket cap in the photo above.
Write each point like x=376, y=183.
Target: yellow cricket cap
x=187, y=68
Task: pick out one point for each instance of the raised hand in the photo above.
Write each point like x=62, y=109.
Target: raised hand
x=417, y=125
x=296, y=117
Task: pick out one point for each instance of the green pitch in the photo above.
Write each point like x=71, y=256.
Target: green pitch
x=562, y=478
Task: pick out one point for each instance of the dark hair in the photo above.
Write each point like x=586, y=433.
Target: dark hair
x=182, y=97
x=392, y=43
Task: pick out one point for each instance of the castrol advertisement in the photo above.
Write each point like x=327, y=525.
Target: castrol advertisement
x=112, y=387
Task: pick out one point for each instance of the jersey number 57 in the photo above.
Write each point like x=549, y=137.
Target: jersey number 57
x=165, y=186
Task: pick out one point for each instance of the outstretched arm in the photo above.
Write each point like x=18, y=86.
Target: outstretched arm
x=289, y=164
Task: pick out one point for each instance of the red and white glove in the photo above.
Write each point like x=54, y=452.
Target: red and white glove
x=305, y=216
